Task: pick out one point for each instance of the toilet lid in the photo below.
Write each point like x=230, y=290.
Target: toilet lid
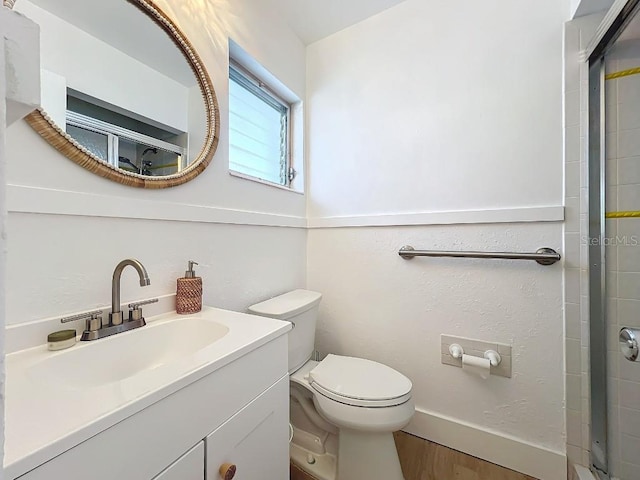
x=360, y=382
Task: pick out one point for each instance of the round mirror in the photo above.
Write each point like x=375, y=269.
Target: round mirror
x=124, y=93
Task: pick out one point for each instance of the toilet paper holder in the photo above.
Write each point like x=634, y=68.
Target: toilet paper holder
x=457, y=351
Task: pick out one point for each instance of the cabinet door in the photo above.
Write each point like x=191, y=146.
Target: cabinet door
x=190, y=466
x=255, y=440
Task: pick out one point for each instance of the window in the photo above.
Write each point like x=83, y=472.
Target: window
x=259, y=130
x=123, y=142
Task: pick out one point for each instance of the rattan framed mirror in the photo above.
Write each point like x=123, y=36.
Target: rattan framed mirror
x=147, y=138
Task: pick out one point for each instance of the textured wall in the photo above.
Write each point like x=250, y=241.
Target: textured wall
x=379, y=306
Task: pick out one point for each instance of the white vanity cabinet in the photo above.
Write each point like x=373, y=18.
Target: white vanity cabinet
x=238, y=414
x=255, y=440
x=188, y=467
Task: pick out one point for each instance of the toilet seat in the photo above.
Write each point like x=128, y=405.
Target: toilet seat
x=361, y=418
x=359, y=382
x=356, y=402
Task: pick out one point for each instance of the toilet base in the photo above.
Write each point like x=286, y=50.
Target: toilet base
x=320, y=466
x=367, y=455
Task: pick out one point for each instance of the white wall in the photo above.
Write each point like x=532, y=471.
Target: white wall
x=19, y=95
x=379, y=306
x=3, y=235
x=448, y=109
x=69, y=227
x=445, y=107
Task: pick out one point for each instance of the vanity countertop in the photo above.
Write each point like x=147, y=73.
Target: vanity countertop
x=46, y=416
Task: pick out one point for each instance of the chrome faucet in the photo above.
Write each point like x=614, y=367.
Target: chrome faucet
x=115, y=317
x=95, y=329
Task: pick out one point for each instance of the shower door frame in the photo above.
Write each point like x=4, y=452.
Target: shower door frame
x=597, y=268
x=609, y=31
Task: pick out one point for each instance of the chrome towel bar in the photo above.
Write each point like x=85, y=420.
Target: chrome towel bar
x=544, y=256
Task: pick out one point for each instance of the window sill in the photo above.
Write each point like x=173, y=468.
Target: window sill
x=265, y=182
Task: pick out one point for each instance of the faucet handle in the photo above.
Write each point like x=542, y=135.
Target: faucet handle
x=135, y=312
x=137, y=305
x=94, y=319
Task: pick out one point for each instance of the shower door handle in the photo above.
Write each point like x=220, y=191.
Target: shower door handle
x=629, y=343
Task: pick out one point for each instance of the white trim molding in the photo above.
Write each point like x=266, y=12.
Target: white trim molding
x=512, y=453
x=29, y=199
x=24, y=199
x=553, y=213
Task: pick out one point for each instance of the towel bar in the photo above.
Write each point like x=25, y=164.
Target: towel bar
x=544, y=256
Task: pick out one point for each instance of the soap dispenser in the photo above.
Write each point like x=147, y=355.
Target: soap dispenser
x=189, y=292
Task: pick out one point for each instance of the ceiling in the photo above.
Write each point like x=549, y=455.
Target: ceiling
x=313, y=20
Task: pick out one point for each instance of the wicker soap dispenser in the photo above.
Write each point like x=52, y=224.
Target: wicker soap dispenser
x=189, y=292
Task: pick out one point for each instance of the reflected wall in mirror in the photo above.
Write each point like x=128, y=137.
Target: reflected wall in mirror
x=124, y=94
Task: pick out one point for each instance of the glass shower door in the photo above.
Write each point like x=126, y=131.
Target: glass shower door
x=622, y=251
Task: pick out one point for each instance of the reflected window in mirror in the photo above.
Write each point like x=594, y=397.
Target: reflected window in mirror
x=119, y=138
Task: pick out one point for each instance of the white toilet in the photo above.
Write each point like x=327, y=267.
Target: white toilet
x=343, y=409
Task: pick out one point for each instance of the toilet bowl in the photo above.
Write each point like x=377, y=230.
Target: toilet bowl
x=344, y=410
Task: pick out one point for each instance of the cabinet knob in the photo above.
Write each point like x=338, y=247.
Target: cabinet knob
x=227, y=471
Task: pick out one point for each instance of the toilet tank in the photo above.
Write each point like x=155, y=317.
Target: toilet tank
x=299, y=307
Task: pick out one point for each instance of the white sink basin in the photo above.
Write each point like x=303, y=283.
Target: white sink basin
x=116, y=358
x=56, y=400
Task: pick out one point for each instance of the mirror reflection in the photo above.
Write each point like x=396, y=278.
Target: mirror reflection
x=115, y=82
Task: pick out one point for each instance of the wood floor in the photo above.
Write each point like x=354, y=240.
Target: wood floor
x=424, y=460
x=297, y=474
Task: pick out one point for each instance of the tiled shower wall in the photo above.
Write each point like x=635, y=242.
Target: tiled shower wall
x=623, y=253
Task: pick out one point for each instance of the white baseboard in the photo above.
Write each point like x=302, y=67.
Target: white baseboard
x=506, y=451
